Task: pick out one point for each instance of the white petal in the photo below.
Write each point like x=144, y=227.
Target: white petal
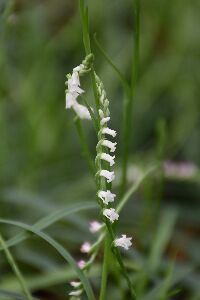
x=124, y=242
x=81, y=111
x=111, y=214
x=75, y=293
x=106, y=196
x=108, y=158
x=75, y=284
x=104, y=120
x=110, y=145
x=110, y=176
x=77, y=69
x=73, y=81
x=70, y=100
x=109, y=131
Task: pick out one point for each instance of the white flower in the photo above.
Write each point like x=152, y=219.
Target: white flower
x=77, y=69
x=111, y=214
x=81, y=111
x=108, y=158
x=124, y=242
x=76, y=293
x=81, y=264
x=94, y=226
x=110, y=145
x=106, y=196
x=74, y=84
x=70, y=99
x=85, y=248
x=109, y=131
x=75, y=284
x=110, y=176
x=104, y=120
x=73, y=92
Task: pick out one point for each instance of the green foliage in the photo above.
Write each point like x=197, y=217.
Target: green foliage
x=44, y=178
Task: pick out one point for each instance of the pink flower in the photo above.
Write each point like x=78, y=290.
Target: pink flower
x=81, y=264
x=85, y=248
x=94, y=226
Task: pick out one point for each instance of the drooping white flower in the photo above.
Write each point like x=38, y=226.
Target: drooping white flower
x=110, y=176
x=81, y=264
x=76, y=293
x=110, y=145
x=70, y=99
x=72, y=94
x=95, y=226
x=124, y=242
x=104, y=120
x=81, y=111
x=85, y=248
x=109, y=131
x=107, y=157
x=74, y=84
x=111, y=214
x=75, y=284
x=106, y=196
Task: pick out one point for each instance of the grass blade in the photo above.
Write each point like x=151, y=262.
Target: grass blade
x=15, y=269
x=60, y=249
x=51, y=219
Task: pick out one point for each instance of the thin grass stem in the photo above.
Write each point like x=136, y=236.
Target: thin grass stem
x=15, y=269
x=128, y=101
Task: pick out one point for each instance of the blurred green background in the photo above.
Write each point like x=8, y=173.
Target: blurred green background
x=41, y=162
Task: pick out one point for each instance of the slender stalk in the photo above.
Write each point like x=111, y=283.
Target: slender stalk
x=86, y=150
x=87, y=46
x=15, y=269
x=118, y=256
x=105, y=267
x=128, y=101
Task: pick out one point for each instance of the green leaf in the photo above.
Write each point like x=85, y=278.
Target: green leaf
x=15, y=269
x=51, y=219
x=162, y=237
x=115, y=68
x=12, y=295
x=134, y=187
x=60, y=249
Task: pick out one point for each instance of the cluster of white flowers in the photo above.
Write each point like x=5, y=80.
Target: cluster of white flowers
x=73, y=89
x=104, y=158
x=107, y=196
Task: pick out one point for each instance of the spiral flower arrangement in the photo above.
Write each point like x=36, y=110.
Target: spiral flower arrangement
x=104, y=161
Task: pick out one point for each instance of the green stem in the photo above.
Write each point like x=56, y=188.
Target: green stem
x=87, y=46
x=86, y=150
x=118, y=256
x=105, y=267
x=15, y=269
x=128, y=102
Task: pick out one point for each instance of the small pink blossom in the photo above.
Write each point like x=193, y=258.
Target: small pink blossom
x=81, y=264
x=94, y=226
x=85, y=248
